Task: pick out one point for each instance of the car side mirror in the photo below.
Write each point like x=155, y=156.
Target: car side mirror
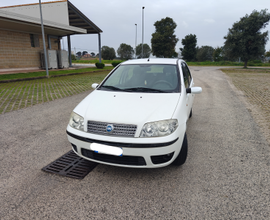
x=94, y=85
x=194, y=90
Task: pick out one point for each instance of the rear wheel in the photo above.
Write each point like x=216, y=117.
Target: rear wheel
x=182, y=156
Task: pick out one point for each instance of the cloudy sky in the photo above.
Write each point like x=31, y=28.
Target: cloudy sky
x=209, y=20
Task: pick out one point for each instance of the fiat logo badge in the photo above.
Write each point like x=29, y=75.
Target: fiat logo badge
x=109, y=128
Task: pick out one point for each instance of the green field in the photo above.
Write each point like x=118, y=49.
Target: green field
x=94, y=61
x=53, y=73
x=227, y=63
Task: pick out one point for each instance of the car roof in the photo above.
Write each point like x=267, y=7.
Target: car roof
x=153, y=61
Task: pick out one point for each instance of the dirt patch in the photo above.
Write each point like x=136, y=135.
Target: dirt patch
x=254, y=86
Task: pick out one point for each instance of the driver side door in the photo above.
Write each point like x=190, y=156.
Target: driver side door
x=188, y=82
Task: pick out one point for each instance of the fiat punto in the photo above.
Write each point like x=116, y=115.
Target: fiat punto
x=137, y=116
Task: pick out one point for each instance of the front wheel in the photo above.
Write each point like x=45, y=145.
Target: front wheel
x=190, y=114
x=182, y=156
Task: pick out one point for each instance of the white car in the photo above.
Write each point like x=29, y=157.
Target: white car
x=137, y=117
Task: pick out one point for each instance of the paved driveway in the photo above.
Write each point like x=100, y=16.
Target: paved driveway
x=226, y=176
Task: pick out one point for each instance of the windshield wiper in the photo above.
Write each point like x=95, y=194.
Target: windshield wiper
x=111, y=88
x=143, y=89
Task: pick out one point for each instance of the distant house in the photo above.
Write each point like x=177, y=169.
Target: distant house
x=20, y=31
x=267, y=59
x=87, y=55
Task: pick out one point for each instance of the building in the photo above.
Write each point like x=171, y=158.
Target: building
x=21, y=35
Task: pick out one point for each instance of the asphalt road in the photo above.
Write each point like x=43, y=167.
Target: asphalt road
x=226, y=176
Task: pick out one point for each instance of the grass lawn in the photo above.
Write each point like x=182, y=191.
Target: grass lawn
x=95, y=60
x=228, y=63
x=22, y=94
x=51, y=73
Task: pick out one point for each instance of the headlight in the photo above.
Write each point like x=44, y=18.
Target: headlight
x=159, y=128
x=76, y=121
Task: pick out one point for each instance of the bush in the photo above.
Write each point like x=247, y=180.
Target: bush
x=115, y=63
x=255, y=63
x=100, y=65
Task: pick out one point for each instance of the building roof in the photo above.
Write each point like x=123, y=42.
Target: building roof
x=78, y=19
x=70, y=21
x=11, y=6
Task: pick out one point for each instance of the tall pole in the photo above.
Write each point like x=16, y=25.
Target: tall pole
x=142, y=28
x=43, y=38
x=69, y=51
x=99, y=47
x=135, y=40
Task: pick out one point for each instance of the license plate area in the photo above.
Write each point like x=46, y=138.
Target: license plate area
x=106, y=149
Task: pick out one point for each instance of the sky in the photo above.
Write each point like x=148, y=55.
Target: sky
x=209, y=20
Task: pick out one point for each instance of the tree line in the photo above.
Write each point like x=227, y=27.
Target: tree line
x=124, y=52
x=243, y=41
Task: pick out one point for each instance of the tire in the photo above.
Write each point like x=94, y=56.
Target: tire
x=190, y=114
x=182, y=156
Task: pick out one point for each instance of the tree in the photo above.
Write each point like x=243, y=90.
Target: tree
x=267, y=56
x=217, y=54
x=245, y=40
x=73, y=57
x=189, y=50
x=146, y=51
x=79, y=54
x=205, y=53
x=92, y=54
x=107, y=53
x=125, y=51
x=164, y=40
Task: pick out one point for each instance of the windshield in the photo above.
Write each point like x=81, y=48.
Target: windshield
x=153, y=78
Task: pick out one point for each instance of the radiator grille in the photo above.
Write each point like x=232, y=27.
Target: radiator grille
x=122, y=130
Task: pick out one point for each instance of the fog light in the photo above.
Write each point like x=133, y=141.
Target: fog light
x=74, y=147
x=162, y=158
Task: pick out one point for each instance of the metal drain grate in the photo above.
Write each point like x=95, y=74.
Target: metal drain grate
x=70, y=165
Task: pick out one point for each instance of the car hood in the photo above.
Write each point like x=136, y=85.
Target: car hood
x=127, y=108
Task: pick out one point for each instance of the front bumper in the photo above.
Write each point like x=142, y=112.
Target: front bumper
x=136, y=154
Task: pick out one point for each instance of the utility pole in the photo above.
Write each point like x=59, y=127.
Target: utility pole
x=43, y=38
x=135, y=40
x=142, y=28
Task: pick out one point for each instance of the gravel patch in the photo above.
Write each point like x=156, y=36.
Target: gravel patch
x=254, y=87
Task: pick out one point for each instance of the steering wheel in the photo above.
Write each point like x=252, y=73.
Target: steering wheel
x=163, y=81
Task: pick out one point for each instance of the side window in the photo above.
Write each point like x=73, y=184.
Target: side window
x=189, y=75
x=185, y=75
